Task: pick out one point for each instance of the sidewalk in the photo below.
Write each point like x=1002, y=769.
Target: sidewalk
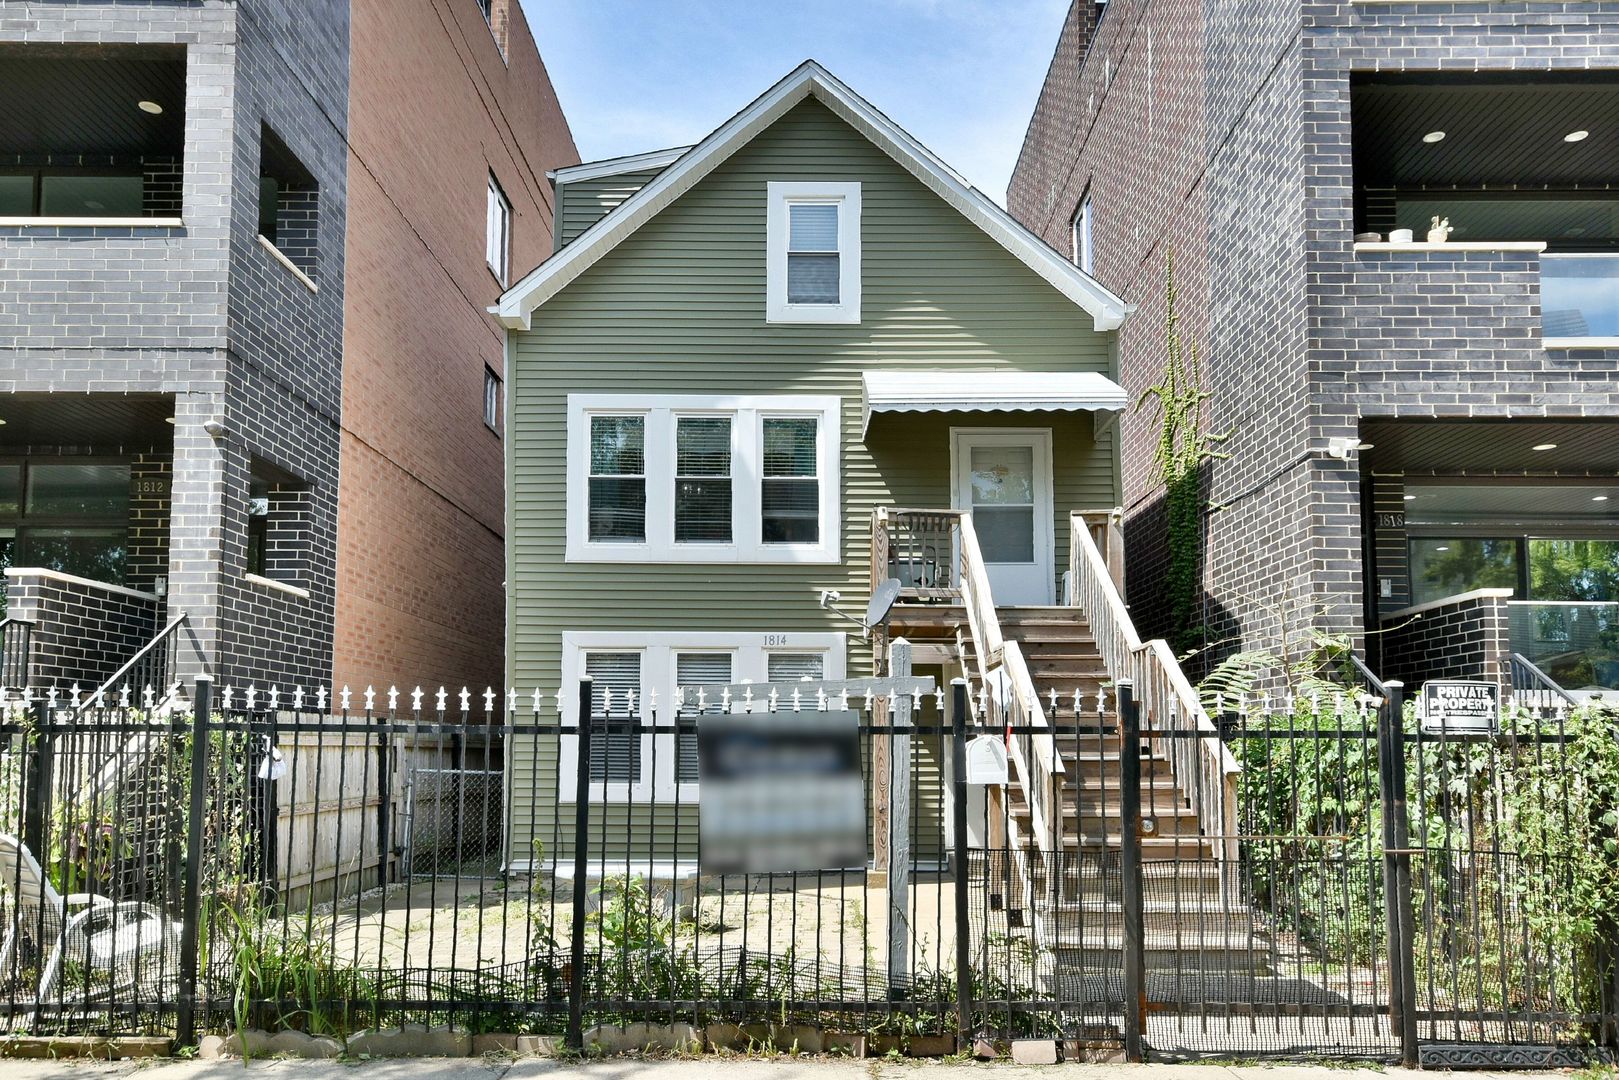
x=695, y=1068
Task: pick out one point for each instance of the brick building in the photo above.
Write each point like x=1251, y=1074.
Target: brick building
x=206, y=209
x=1414, y=427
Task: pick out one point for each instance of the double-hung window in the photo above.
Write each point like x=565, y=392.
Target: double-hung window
x=812, y=252
x=498, y=232
x=1082, y=235
x=693, y=479
x=637, y=752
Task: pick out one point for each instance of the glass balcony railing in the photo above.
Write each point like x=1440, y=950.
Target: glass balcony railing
x=1579, y=295
x=1576, y=644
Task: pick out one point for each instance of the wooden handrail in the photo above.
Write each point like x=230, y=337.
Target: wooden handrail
x=1203, y=767
x=1036, y=762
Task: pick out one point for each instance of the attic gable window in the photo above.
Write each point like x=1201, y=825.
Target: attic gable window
x=812, y=252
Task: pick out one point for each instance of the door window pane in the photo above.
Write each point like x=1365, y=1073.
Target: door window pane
x=615, y=749
x=693, y=669
x=91, y=196
x=1574, y=569
x=78, y=490
x=1002, y=476
x=97, y=554
x=618, y=479
x=790, y=491
x=703, y=479
x=1005, y=534
x=1441, y=568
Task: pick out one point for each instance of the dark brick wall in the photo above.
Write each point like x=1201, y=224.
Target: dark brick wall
x=1221, y=129
x=82, y=631
x=1463, y=638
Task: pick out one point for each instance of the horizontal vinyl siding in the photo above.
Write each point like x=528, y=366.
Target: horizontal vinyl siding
x=679, y=308
x=585, y=202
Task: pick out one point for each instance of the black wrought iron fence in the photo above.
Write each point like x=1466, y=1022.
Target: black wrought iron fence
x=1389, y=889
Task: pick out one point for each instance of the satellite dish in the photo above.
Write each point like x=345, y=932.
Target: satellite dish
x=882, y=601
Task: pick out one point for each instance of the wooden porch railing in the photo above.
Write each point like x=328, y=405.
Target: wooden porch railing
x=936, y=557
x=1199, y=760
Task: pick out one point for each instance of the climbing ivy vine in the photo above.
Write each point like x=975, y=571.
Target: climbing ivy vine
x=1183, y=447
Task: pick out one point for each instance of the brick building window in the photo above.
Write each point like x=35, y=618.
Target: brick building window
x=289, y=204
x=71, y=517
x=498, y=231
x=1083, y=253
x=278, y=507
x=497, y=13
x=491, y=400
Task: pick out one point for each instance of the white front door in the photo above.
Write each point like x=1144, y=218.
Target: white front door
x=1004, y=477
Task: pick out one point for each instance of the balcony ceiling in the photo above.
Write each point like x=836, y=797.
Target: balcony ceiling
x=1582, y=448
x=107, y=422
x=62, y=100
x=1497, y=131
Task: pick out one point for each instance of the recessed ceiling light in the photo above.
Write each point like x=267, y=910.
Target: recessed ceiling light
x=1363, y=446
x=1442, y=547
x=168, y=419
x=2, y=423
x=1433, y=136
x=1577, y=136
x=1409, y=498
x=1544, y=446
x=150, y=106
x=1599, y=498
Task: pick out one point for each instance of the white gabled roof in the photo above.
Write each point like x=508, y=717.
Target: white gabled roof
x=988, y=391
x=809, y=79
x=590, y=170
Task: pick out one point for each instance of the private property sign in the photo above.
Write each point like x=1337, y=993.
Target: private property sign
x=1460, y=707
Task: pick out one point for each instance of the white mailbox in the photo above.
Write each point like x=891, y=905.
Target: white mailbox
x=986, y=760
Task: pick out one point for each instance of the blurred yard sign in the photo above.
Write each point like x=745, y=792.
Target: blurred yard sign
x=781, y=791
x=1460, y=707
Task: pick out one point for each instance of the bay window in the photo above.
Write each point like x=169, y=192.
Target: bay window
x=699, y=479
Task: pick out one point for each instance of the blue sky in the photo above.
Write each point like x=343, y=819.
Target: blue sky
x=961, y=75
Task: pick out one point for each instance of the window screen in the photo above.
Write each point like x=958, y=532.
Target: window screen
x=812, y=253
x=615, y=750
x=703, y=479
x=618, y=479
x=789, y=498
x=692, y=669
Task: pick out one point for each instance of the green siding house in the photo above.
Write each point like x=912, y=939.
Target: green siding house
x=741, y=355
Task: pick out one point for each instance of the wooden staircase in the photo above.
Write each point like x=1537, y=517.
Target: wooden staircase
x=1062, y=813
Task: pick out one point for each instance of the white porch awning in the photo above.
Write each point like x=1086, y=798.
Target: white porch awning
x=989, y=391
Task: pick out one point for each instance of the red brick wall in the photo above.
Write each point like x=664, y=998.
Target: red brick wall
x=434, y=107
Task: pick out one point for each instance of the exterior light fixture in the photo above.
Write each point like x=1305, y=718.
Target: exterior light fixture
x=214, y=428
x=1410, y=498
x=150, y=107
x=1433, y=137
x=168, y=420
x=1339, y=447
x=1363, y=446
x=1544, y=446
x=1577, y=136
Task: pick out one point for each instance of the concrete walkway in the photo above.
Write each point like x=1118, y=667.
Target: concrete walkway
x=697, y=1068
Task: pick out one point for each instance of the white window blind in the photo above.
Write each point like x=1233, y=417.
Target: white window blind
x=615, y=750
x=618, y=478
x=793, y=667
x=789, y=497
x=693, y=669
x=703, y=479
x=812, y=253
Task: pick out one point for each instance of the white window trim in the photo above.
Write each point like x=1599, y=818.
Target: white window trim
x=747, y=467
x=846, y=196
x=749, y=652
x=1083, y=227
x=497, y=197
